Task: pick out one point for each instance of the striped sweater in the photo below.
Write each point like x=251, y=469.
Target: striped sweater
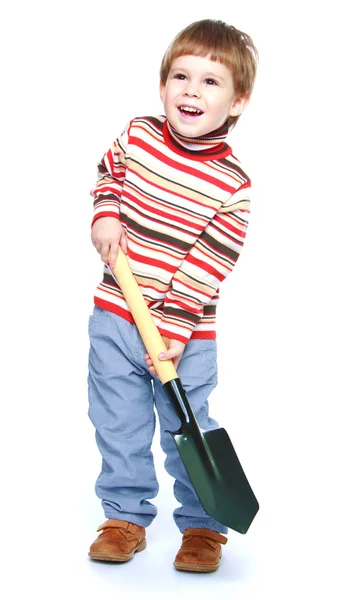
x=185, y=213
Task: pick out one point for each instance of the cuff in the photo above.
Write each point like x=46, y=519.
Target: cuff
x=104, y=214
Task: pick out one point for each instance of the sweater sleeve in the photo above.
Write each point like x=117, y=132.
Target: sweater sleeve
x=111, y=175
x=208, y=263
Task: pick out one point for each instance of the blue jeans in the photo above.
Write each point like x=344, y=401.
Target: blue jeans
x=122, y=397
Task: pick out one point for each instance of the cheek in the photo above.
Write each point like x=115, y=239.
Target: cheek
x=165, y=100
x=162, y=93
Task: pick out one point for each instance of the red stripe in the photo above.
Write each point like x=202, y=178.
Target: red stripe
x=150, y=261
x=208, y=156
x=189, y=287
x=121, y=312
x=203, y=335
x=205, y=266
x=244, y=186
x=181, y=305
x=222, y=259
x=114, y=308
x=108, y=188
x=173, y=336
x=180, y=166
x=227, y=225
x=161, y=213
x=164, y=251
x=104, y=214
x=139, y=233
x=230, y=238
x=178, y=195
x=233, y=174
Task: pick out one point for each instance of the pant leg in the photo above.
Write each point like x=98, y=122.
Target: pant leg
x=198, y=373
x=121, y=407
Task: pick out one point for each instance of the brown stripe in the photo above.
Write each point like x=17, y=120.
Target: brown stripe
x=213, y=243
x=169, y=311
x=157, y=235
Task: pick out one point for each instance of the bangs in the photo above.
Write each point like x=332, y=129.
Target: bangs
x=216, y=50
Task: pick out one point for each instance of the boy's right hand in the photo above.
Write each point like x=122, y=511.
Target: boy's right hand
x=107, y=234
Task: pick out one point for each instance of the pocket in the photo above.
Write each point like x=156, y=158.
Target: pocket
x=208, y=354
x=200, y=362
x=96, y=321
x=97, y=314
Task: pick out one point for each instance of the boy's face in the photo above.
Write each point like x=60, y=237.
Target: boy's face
x=199, y=95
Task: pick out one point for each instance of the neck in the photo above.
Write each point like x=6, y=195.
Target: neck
x=204, y=142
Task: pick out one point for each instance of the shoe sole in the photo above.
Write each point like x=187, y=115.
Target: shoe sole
x=112, y=557
x=195, y=568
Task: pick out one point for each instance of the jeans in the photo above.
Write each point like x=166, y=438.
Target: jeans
x=123, y=395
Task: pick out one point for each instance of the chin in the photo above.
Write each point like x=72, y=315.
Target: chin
x=190, y=129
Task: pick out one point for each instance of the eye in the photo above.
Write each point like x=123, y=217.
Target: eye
x=179, y=76
x=211, y=82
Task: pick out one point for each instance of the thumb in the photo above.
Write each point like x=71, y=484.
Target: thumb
x=113, y=255
x=169, y=354
x=123, y=243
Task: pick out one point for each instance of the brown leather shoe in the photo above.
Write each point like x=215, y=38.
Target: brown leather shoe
x=118, y=541
x=200, y=550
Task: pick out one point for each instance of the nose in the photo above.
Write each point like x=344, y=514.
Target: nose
x=192, y=89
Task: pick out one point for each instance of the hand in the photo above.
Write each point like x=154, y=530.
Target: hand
x=107, y=234
x=174, y=351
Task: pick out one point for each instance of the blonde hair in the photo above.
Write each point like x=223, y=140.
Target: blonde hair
x=221, y=43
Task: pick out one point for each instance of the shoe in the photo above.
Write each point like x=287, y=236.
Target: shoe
x=118, y=541
x=200, y=550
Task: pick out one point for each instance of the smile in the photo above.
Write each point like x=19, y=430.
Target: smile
x=190, y=111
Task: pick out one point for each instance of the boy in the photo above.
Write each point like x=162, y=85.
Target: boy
x=173, y=196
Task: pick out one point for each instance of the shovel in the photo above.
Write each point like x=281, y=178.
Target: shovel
x=208, y=456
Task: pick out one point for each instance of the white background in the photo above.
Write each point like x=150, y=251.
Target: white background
x=73, y=74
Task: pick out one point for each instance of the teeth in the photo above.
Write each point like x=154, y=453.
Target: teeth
x=190, y=109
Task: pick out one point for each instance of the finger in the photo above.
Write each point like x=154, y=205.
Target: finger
x=95, y=241
x=167, y=341
x=123, y=243
x=104, y=252
x=148, y=359
x=113, y=254
x=169, y=354
x=97, y=246
x=176, y=362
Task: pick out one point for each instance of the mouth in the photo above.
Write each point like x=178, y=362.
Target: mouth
x=189, y=111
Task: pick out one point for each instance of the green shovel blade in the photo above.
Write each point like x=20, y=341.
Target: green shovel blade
x=213, y=468
x=218, y=478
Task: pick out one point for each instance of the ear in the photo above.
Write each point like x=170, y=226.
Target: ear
x=162, y=91
x=239, y=105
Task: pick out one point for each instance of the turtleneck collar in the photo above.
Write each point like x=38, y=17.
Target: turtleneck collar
x=209, y=146
x=205, y=142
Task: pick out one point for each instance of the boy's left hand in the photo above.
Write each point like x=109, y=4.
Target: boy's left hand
x=175, y=350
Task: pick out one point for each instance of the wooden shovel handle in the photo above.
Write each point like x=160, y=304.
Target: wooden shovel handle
x=150, y=335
